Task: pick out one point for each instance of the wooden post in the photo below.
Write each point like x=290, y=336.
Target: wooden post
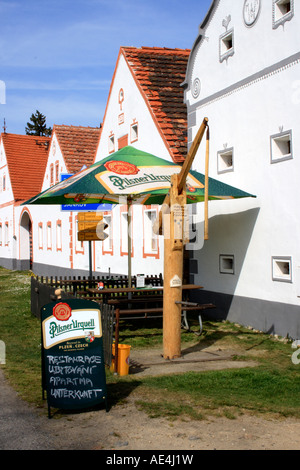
x=173, y=273
x=173, y=253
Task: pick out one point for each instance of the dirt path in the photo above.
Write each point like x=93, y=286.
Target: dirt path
x=125, y=427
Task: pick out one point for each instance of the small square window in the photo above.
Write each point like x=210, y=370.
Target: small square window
x=111, y=143
x=281, y=147
x=283, y=10
x=225, y=160
x=282, y=269
x=226, y=45
x=134, y=133
x=227, y=264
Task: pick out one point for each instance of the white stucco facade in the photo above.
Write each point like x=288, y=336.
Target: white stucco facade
x=251, y=98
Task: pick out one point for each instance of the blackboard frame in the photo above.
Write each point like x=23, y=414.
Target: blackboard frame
x=73, y=370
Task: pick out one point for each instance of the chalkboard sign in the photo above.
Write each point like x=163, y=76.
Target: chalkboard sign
x=73, y=371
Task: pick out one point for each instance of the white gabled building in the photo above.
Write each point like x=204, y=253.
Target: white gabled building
x=57, y=251
x=145, y=109
x=42, y=238
x=23, y=162
x=243, y=74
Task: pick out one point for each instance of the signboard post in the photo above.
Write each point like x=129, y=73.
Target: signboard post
x=91, y=228
x=73, y=371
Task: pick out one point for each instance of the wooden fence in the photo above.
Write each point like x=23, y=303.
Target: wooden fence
x=43, y=292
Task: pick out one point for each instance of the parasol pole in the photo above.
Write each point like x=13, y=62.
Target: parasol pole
x=129, y=208
x=206, y=187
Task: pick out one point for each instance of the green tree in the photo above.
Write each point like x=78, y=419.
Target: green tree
x=37, y=126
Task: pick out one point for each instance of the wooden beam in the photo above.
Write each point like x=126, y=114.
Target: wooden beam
x=190, y=156
x=157, y=226
x=206, y=192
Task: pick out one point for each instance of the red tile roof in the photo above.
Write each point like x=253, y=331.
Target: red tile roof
x=160, y=72
x=78, y=145
x=26, y=159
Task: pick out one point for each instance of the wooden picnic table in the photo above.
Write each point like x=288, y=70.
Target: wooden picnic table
x=120, y=301
x=135, y=290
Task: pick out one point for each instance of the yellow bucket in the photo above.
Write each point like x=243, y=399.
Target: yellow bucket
x=123, y=359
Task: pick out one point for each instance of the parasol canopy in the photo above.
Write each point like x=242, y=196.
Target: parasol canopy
x=134, y=174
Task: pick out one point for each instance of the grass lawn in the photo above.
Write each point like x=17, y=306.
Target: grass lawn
x=271, y=387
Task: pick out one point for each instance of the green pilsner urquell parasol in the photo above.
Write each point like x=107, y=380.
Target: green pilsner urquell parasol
x=139, y=176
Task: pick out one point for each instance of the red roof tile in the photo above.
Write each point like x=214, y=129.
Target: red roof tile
x=26, y=159
x=160, y=73
x=78, y=145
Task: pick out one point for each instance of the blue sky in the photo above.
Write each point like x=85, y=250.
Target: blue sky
x=59, y=56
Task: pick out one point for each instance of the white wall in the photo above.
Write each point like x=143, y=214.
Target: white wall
x=253, y=230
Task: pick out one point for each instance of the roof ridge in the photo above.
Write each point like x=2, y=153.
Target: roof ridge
x=75, y=127
x=156, y=48
x=25, y=135
x=159, y=73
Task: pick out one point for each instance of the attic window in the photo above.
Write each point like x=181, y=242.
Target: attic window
x=283, y=10
x=111, y=143
x=281, y=147
x=134, y=132
x=225, y=160
x=226, y=45
x=56, y=172
x=51, y=175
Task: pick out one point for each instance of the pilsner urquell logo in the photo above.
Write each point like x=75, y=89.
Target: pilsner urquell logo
x=121, y=168
x=62, y=311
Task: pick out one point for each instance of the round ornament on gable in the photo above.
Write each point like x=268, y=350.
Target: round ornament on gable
x=196, y=88
x=251, y=11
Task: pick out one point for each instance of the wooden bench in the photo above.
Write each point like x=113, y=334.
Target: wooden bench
x=154, y=313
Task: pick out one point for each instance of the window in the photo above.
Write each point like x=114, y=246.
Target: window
x=40, y=235
x=226, y=45
x=6, y=233
x=58, y=236
x=49, y=236
x=150, y=239
x=283, y=10
x=282, y=269
x=124, y=231
x=79, y=246
x=111, y=143
x=4, y=183
x=225, y=160
x=51, y=175
x=56, y=172
x=133, y=132
x=281, y=147
x=226, y=264
x=108, y=242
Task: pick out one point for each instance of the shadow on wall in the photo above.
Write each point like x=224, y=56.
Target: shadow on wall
x=218, y=265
